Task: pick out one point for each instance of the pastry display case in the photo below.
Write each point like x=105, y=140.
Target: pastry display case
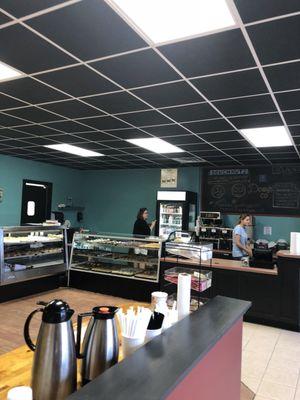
x=130, y=257
x=30, y=252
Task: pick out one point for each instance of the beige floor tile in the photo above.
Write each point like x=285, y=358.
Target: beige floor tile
x=297, y=395
x=275, y=391
x=279, y=361
x=282, y=376
x=262, y=398
x=252, y=382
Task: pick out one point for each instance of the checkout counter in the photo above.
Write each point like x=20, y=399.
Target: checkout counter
x=273, y=289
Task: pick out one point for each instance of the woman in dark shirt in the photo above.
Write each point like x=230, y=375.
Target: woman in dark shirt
x=141, y=227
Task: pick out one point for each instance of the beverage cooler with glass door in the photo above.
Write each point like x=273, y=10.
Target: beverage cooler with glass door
x=175, y=211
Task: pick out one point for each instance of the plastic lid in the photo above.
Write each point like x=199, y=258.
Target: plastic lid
x=57, y=311
x=104, y=312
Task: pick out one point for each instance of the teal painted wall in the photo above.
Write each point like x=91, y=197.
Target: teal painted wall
x=113, y=197
x=66, y=182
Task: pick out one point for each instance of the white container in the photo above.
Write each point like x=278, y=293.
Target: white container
x=183, y=295
x=20, y=393
x=159, y=304
x=130, y=345
x=152, y=333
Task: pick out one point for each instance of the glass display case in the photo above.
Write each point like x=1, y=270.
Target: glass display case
x=29, y=252
x=130, y=257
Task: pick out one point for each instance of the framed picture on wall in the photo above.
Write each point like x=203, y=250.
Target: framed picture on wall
x=1, y=195
x=168, y=178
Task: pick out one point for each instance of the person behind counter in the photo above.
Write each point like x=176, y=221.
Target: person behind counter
x=240, y=247
x=141, y=227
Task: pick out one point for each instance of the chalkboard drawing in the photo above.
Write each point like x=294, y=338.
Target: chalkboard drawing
x=238, y=190
x=265, y=191
x=286, y=195
x=252, y=188
x=217, y=191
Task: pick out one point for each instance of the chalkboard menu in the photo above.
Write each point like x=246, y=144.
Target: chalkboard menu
x=258, y=190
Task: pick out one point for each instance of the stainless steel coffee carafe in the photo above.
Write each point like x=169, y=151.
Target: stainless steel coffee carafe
x=54, y=363
x=100, y=347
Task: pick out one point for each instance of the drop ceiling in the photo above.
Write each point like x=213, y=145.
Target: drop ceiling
x=94, y=81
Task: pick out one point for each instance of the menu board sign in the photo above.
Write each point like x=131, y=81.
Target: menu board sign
x=268, y=190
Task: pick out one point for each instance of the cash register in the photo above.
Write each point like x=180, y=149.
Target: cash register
x=263, y=254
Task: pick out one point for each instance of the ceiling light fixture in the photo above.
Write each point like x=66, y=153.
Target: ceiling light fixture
x=156, y=145
x=7, y=72
x=272, y=136
x=78, y=151
x=168, y=20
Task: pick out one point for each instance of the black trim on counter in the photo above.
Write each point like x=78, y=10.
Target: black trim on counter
x=153, y=371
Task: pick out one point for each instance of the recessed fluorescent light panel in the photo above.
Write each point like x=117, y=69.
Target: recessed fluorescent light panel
x=167, y=20
x=273, y=136
x=156, y=145
x=78, y=151
x=7, y=72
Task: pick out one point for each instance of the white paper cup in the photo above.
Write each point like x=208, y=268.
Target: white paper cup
x=151, y=333
x=20, y=393
x=130, y=345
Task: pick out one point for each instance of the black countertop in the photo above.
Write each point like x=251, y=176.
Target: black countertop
x=153, y=371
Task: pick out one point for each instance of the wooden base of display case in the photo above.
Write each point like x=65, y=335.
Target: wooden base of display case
x=29, y=287
x=113, y=285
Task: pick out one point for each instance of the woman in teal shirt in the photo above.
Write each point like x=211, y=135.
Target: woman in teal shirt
x=240, y=247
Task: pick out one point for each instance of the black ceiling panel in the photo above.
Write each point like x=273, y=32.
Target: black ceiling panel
x=69, y=126
x=246, y=105
x=243, y=83
x=38, y=130
x=234, y=144
x=220, y=136
x=224, y=51
x=289, y=100
x=89, y=29
x=209, y=126
x=185, y=139
x=197, y=147
x=292, y=117
x=34, y=114
x=29, y=90
x=244, y=151
x=137, y=69
x=9, y=102
x=20, y=8
x=295, y=130
x=284, y=77
x=13, y=134
x=66, y=138
x=78, y=81
x=94, y=136
x=130, y=134
x=276, y=41
x=7, y=120
x=117, y=102
x=255, y=10
x=4, y=18
x=14, y=143
x=166, y=130
x=144, y=118
x=169, y=95
x=72, y=109
x=39, y=141
x=103, y=123
x=22, y=49
x=257, y=121
x=297, y=140
x=191, y=112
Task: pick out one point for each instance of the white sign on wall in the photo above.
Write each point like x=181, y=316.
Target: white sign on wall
x=168, y=178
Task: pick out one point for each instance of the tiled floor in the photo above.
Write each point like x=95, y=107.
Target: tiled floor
x=271, y=362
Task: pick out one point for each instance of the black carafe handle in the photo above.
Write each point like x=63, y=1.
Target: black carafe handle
x=27, y=337
x=79, y=326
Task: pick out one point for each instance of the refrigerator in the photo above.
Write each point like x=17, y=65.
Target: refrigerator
x=175, y=211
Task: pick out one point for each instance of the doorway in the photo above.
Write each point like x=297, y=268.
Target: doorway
x=36, y=202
